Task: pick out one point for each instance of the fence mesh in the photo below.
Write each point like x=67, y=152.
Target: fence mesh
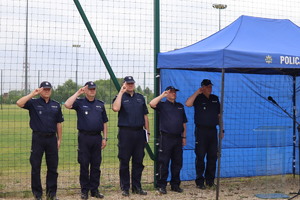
x=58, y=48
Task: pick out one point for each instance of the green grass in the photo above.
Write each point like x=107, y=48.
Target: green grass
x=15, y=143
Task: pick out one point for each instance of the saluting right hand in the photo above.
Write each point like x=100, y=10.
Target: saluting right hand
x=200, y=90
x=123, y=88
x=165, y=93
x=82, y=90
x=37, y=91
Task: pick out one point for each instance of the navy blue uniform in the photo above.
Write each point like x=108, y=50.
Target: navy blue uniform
x=206, y=119
x=91, y=115
x=171, y=119
x=43, y=122
x=131, y=139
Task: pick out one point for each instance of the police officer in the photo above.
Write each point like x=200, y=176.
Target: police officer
x=91, y=121
x=172, y=126
x=46, y=123
x=132, y=118
x=206, y=118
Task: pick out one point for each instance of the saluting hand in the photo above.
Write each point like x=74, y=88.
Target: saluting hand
x=165, y=93
x=37, y=91
x=82, y=90
x=123, y=88
x=200, y=90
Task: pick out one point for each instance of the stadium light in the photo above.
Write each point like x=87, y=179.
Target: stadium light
x=219, y=7
x=76, y=77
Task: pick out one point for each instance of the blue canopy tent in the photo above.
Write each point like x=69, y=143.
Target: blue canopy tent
x=260, y=58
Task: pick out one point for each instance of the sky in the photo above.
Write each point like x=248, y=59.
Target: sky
x=124, y=30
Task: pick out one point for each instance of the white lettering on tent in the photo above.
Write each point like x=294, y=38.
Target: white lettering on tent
x=290, y=60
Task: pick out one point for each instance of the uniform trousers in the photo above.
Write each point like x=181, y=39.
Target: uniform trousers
x=206, y=146
x=89, y=158
x=131, y=145
x=40, y=144
x=170, y=149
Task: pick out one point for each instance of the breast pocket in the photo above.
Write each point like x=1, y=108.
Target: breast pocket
x=99, y=109
x=86, y=110
x=40, y=110
x=54, y=110
x=203, y=106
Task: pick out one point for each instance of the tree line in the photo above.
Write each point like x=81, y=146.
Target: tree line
x=106, y=92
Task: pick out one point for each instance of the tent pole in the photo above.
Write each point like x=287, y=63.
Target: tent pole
x=221, y=128
x=294, y=126
x=294, y=140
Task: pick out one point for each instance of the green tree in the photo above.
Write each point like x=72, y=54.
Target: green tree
x=12, y=96
x=63, y=92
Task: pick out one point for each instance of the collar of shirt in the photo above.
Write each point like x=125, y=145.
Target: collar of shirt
x=43, y=100
x=128, y=94
x=86, y=99
x=173, y=103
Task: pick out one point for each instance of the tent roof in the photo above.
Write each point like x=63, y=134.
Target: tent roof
x=248, y=45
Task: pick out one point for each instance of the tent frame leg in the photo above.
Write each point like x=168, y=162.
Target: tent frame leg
x=297, y=193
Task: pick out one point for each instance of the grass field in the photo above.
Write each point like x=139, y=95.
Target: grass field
x=15, y=143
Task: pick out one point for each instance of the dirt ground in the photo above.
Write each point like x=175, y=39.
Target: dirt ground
x=230, y=189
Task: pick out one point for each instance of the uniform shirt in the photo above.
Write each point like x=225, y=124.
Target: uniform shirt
x=206, y=110
x=132, y=111
x=91, y=115
x=44, y=116
x=171, y=117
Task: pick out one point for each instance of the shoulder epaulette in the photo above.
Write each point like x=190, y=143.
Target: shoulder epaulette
x=100, y=101
x=55, y=101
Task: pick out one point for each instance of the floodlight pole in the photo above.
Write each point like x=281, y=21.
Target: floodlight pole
x=26, y=52
x=219, y=7
x=76, y=77
x=221, y=124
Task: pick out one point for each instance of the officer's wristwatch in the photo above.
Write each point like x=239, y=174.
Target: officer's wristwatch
x=104, y=139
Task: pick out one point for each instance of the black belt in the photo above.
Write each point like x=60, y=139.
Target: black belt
x=90, y=132
x=170, y=135
x=44, y=134
x=205, y=127
x=131, y=128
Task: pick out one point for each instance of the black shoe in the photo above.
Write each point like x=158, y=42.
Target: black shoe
x=97, y=195
x=162, y=190
x=125, y=193
x=84, y=196
x=37, y=198
x=201, y=187
x=176, y=189
x=139, y=191
x=211, y=185
x=49, y=197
